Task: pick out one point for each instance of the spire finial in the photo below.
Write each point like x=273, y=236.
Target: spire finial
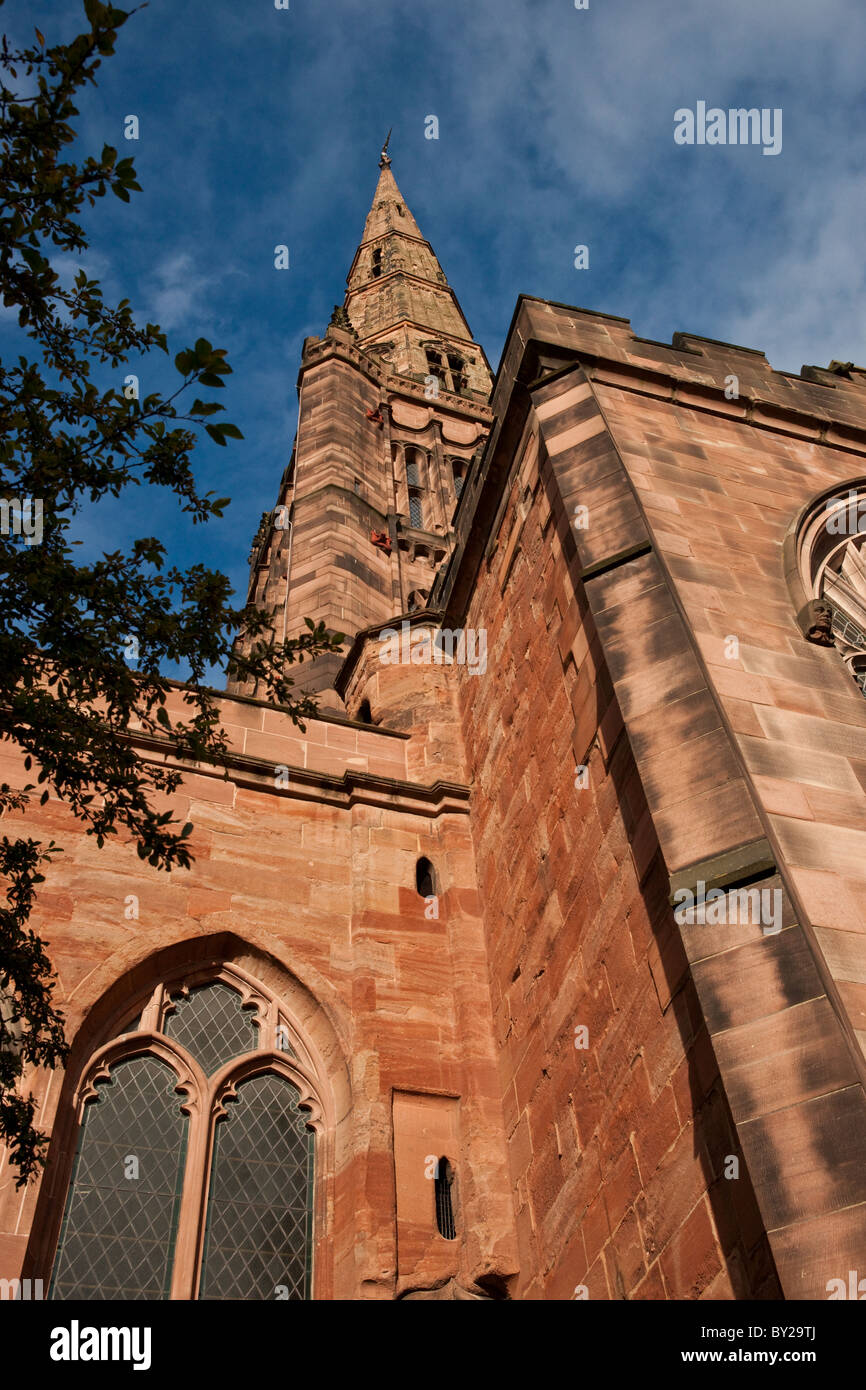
x=385, y=158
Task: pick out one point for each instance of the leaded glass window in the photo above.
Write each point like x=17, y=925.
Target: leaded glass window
x=415, y=516
x=147, y=1178
x=213, y=1026
x=847, y=630
x=121, y=1214
x=258, y=1242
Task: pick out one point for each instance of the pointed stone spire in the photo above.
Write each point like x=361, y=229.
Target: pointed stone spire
x=392, y=414
x=389, y=211
x=399, y=301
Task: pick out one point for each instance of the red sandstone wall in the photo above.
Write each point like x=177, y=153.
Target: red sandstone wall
x=720, y=489
x=314, y=888
x=616, y=1151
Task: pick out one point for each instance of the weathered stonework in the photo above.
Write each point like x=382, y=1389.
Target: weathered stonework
x=635, y=1104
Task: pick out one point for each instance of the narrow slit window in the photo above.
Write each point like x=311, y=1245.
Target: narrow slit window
x=425, y=879
x=443, y=1184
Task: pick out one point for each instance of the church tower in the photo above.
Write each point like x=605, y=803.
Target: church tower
x=393, y=413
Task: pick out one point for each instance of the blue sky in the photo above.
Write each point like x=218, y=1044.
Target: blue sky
x=261, y=126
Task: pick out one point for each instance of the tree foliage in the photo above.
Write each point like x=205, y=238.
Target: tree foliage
x=70, y=437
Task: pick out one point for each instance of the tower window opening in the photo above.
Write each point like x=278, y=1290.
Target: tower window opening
x=457, y=368
x=435, y=367
x=365, y=714
x=377, y=261
x=425, y=878
x=412, y=474
x=443, y=1184
x=416, y=516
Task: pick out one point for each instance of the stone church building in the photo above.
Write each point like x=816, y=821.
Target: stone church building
x=535, y=968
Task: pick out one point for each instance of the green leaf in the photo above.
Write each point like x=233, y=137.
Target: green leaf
x=231, y=431
x=215, y=432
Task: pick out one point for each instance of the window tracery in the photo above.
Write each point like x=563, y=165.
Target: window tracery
x=195, y=1162
x=831, y=566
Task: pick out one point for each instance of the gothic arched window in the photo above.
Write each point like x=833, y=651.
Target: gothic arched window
x=831, y=562
x=449, y=368
x=415, y=485
x=459, y=469
x=194, y=1171
x=416, y=514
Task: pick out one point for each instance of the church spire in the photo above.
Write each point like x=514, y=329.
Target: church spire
x=388, y=211
x=392, y=414
x=400, y=303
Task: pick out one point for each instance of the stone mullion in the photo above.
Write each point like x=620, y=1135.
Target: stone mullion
x=386, y=495
x=189, y=1236
x=438, y=456
x=398, y=476
x=151, y=1015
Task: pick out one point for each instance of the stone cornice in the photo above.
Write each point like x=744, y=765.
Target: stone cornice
x=306, y=784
